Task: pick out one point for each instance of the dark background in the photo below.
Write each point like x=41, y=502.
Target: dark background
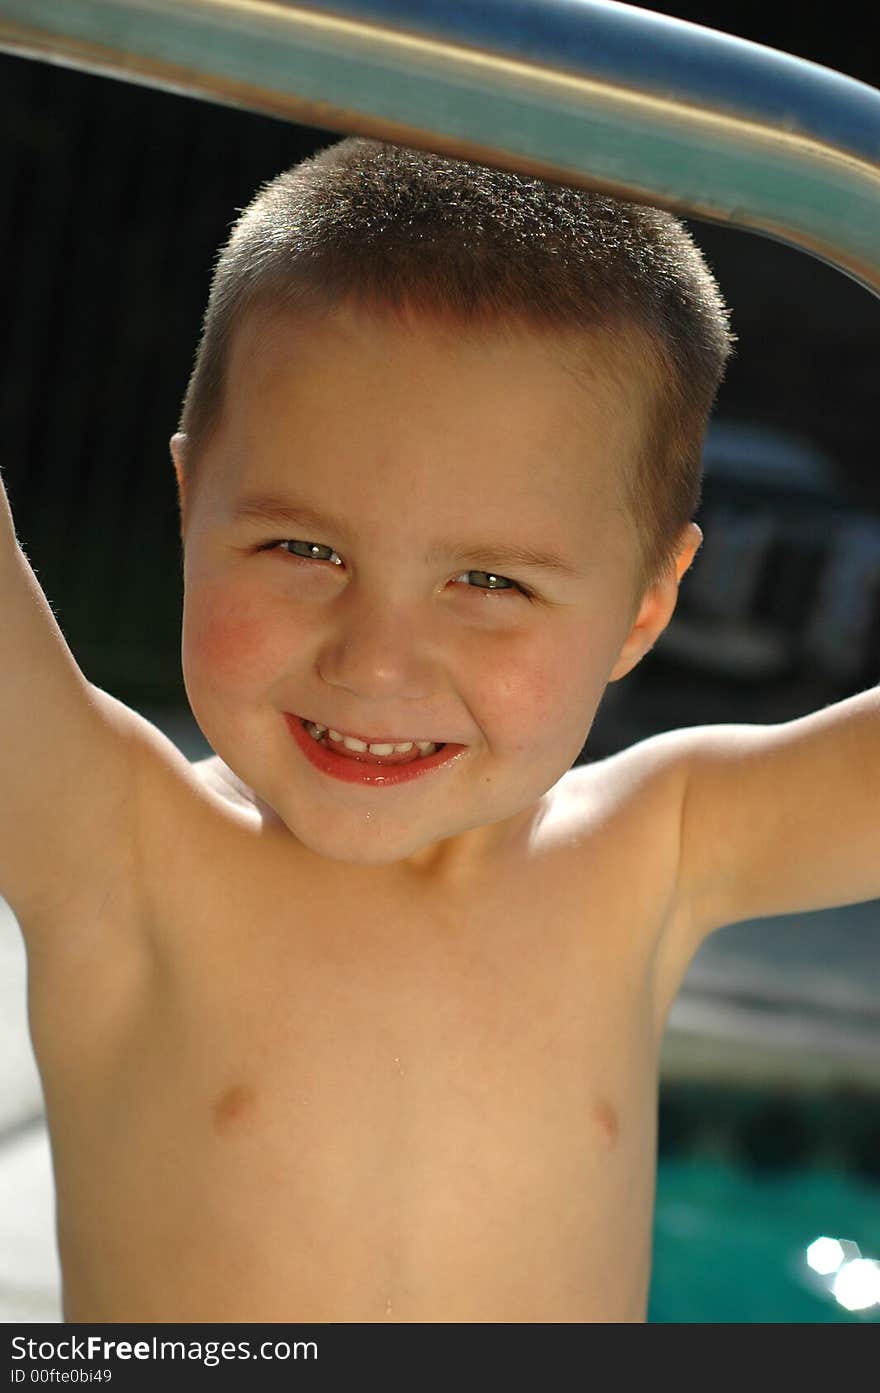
x=116, y=198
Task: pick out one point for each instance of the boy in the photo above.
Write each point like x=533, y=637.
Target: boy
x=359, y=1019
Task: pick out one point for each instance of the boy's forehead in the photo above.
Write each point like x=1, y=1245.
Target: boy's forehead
x=507, y=404
x=566, y=371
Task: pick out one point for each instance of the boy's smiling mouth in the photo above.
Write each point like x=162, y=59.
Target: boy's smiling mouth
x=374, y=751
x=363, y=767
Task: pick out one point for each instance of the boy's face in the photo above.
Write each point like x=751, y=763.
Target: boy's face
x=420, y=444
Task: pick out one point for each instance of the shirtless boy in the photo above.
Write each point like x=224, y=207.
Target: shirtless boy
x=334, y=1036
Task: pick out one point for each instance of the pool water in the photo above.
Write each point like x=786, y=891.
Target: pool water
x=730, y=1241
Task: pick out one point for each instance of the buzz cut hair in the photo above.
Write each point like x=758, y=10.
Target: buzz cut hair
x=420, y=236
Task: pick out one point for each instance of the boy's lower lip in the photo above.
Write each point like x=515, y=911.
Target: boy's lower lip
x=355, y=771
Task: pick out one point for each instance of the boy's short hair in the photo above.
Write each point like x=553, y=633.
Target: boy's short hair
x=396, y=229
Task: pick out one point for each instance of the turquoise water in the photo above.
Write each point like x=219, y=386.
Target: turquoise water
x=730, y=1242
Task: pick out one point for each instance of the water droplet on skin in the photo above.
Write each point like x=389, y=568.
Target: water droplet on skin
x=400, y=1071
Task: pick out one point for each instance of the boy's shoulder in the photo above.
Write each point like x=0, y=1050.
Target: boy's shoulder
x=642, y=784
x=631, y=802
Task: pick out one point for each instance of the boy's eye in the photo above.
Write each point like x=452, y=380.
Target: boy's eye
x=495, y=583
x=312, y=551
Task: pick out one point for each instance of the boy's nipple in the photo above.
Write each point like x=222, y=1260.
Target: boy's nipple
x=233, y=1106
x=607, y=1120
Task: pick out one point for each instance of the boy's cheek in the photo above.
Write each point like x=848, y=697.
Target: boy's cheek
x=228, y=643
x=535, y=699
x=558, y=694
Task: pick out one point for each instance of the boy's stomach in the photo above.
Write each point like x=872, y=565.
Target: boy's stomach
x=187, y=1238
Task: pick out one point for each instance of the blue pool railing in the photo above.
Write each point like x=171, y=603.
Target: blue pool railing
x=584, y=92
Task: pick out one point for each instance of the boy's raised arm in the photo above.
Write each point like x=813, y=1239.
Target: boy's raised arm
x=780, y=819
x=66, y=805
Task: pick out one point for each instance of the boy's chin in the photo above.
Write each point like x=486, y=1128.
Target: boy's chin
x=357, y=850
x=349, y=854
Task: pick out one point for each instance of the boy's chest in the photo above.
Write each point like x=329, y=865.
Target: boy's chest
x=397, y=1029
x=396, y=1076
x=360, y=1013
x=330, y=1004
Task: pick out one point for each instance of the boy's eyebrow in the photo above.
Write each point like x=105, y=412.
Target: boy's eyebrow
x=273, y=509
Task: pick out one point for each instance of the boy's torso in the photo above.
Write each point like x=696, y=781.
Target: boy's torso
x=315, y=1097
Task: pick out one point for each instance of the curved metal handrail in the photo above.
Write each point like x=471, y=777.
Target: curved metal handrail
x=585, y=92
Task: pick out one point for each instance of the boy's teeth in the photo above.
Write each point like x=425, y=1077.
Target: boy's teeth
x=360, y=746
x=425, y=747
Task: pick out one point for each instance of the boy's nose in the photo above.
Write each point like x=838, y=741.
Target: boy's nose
x=380, y=654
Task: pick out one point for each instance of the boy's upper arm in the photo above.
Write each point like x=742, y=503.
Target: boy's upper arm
x=67, y=801
x=780, y=819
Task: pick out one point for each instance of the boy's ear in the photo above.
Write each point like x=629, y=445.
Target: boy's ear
x=657, y=607
x=178, y=448
x=177, y=444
